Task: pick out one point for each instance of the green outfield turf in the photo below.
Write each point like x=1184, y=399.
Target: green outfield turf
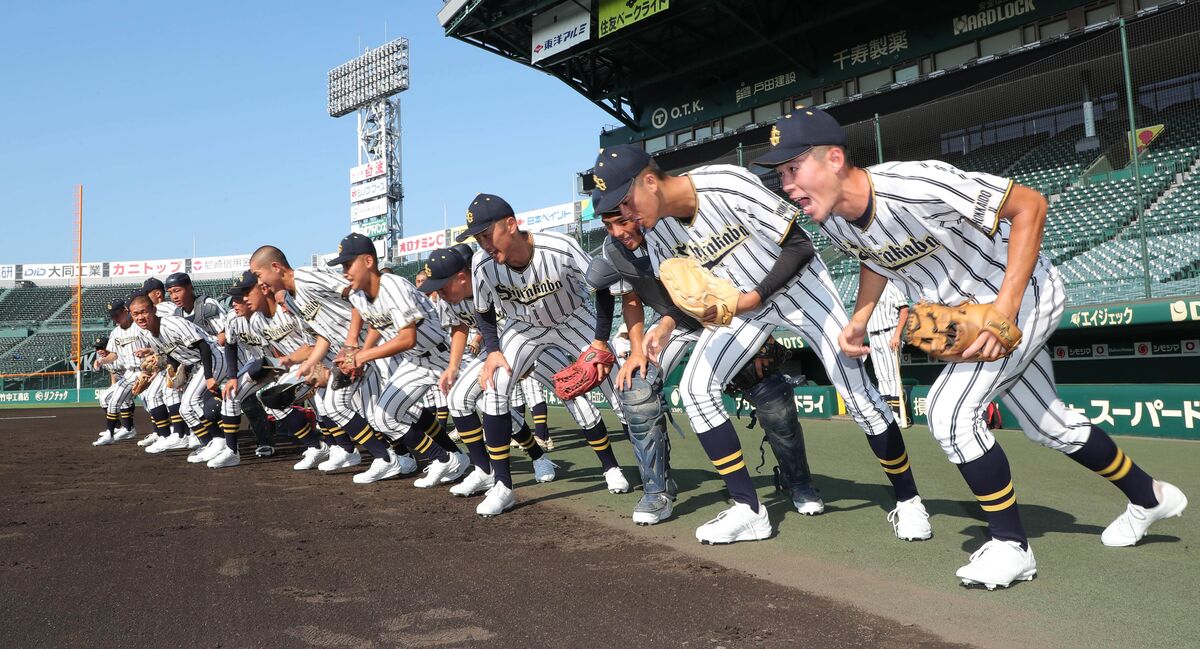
x=1086, y=595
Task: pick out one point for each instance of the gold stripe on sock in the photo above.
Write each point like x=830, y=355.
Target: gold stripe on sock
x=1115, y=463
x=896, y=462
x=998, y=495
x=896, y=471
x=730, y=469
x=1004, y=505
x=1123, y=471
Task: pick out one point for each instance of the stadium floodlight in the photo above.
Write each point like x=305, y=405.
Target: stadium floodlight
x=378, y=73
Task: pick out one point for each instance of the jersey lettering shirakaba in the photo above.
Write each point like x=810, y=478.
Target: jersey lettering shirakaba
x=545, y=293
x=456, y=315
x=935, y=228
x=399, y=305
x=318, y=299
x=124, y=341
x=250, y=345
x=737, y=229
x=176, y=337
x=283, y=330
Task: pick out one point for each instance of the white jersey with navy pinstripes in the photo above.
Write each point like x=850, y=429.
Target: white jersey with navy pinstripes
x=397, y=306
x=545, y=293
x=124, y=341
x=206, y=312
x=886, y=315
x=283, y=330
x=737, y=229
x=176, y=337
x=318, y=298
x=250, y=345
x=456, y=315
x=164, y=309
x=934, y=228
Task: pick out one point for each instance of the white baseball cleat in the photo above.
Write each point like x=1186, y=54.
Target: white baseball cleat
x=214, y=448
x=338, y=458
x=380, y=469
x=105, y=439
x=545, y=471
x=311, y=457
x=477, y=481
x=499, y=500
x=910, y=521
x=124, y=434
x=808, y=501
x=226, y=458
x=998, y=564
x=148, y=439
x=738, y=523
x=193, y=441
x=408, y=464
x=1130, y=527
x=172, y=442
x=652, y=509
x=617, y=484
x=442, y=472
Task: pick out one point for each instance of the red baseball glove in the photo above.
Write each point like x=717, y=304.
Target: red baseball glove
x=582, y=375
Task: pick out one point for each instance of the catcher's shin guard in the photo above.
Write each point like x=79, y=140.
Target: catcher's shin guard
x=775, y=405
x=647, y=422
x=264, y=432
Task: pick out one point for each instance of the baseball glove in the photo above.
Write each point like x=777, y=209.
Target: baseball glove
x=153, y=363
x=142, y=382
x=582, y=375
x=177, y=377
x=945, y=332
x=339, y=379
x=694, y=289
x=319, y=376
x=770, y=358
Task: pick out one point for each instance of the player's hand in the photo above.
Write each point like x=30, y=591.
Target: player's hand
x=851, y=340
x=602, y=370
x=473, y=347
x=987, y=347
x=495, y=361
x=230, y=389
x=221, y=338
x=143, y=352
x=447, y=379
x=894, y=343
x=306, y=368
x=281, y=300
x=96, y=363
x=211, y=384
x=636, y=362
x=746, y=302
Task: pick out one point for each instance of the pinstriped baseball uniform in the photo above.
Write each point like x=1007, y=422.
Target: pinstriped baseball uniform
x=175, y=338
x=937, y=231
x=465, y=393
x=318, y=299
x=123, y=341
x=158, y=394
x=285, y=333
x=736, y=232
x=547, y=305
x=250, y=346
x=398, y=395
x=880, y=329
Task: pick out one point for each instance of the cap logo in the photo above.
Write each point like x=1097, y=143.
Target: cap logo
x=110, y=309
x=600, y=183
x=775, y=134
x=339, y=248
x=470, y=216
x=427, y=271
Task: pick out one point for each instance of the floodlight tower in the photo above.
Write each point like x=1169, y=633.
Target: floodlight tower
x=370, y=85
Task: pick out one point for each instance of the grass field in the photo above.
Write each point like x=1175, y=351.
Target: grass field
x=1086, y=595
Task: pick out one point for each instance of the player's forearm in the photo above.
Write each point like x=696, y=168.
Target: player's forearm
x=1028, y=217
x=795, y=254
x=631, y=311
x=458, y=344
x=604, y=314
x=206, y=358
x=902, y=317
x=354, y=333
x=231, y=364
x=373, y=337
x=870, y=287
x=320, y=349
x=402, y=342
x=489, y=331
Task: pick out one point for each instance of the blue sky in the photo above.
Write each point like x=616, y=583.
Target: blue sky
x=208, y=121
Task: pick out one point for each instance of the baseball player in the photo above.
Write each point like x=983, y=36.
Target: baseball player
x=724, y=218
x=449, y=275
x=438, y=399
x=536, y=281
x=949, y=237
x=111, y=423
x=624, y=259
x=319, y=296
x=118, y=355
x=883, y=330
x=161, y=402
x=405, y=329
x=182, y=344
x=291, y=342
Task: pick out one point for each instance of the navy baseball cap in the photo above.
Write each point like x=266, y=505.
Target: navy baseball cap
x=614, y=172
x=177, y=279
x=442, y=264
x=101, y=343
x=243, y=284
x=353, y=245
x=115, y=307
x=800, y=130
x=465, y=250
x=485, y=210
x=152, y=284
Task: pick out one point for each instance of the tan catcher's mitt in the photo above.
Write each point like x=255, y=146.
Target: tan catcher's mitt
x=142, y=382
x=945, y=332
x=693, y=288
